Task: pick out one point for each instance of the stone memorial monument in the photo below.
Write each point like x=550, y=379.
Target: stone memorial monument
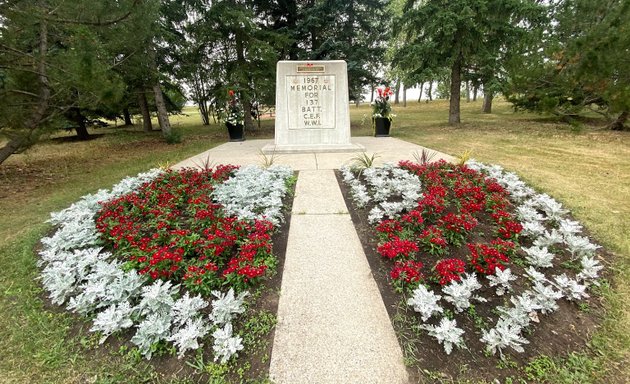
x=312, y=108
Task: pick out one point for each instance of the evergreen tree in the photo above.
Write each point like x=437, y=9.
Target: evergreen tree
x=54, y=66
x=580, y=62
x=457, y=34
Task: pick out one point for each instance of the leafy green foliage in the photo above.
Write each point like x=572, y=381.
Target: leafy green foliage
x=581, y=61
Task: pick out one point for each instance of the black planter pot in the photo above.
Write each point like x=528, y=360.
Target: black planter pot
x=236, y=132
x=381, y=126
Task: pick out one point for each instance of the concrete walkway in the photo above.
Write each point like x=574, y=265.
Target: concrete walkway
x=247, y=152
x=332, y=324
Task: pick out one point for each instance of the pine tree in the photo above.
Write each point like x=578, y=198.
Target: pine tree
x=458, y=34
x=581, y=62
x=54, y=66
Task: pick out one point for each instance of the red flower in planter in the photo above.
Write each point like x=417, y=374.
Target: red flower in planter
x=486, y=259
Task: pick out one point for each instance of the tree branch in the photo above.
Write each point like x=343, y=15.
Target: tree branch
x=96, y=23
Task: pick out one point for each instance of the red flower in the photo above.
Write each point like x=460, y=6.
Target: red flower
x=170, y=229
x=406, y=274
x=486, y=259
x=397, y=247
x=449, y=270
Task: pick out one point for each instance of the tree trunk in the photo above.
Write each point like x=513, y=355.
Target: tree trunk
x=77, y=117
x=486, y=107
x=475, y=90
x=203, y=111
x=10, y=148
x=312, y=31
x=247, y=119
x=82, y=132
x=162, y=113
x=453, y=113
x=147, y=126
x=397, y=92
x=245, y=98
x=127, y=116
x=420, y=94
x=291, y=14
x=404, y=91
x=430, y=91
x=468, y=91
x=619, y=123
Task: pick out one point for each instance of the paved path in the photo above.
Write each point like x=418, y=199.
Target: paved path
x=332, y=324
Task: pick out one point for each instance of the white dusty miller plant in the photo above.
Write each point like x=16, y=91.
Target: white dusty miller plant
x=187, y=337
x=153, y=329
x=504, y=334
x=113, y=319
x=226, y=306
x=391, y=188
x=225, y=344
x=502, y=280
x=446, y=333
x=590, y=270
x=254, y=193
x=539, y=256
x=425, y=302
x=460, y=293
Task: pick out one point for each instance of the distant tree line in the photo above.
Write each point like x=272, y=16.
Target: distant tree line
x=64, y=64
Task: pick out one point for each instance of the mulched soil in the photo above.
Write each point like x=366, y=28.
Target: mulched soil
x=564, y=331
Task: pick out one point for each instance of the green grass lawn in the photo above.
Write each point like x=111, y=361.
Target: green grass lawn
x=585, y=167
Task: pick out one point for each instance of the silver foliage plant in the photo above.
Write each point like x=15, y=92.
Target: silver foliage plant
x=226, y=344
x=254, y=193
x=459, y=293
x=153, y=329
x=226, y=306
x=538, y=256
x=187, y=337
x=502, y=280
x=359, y=192
x=425, y=302
x=111, y=320
x=382, y=185
x=76, y=272
x=504, y=334
x=446, y=333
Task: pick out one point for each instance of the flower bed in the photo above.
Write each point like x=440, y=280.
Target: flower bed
x=474, y=245
x=169, y=253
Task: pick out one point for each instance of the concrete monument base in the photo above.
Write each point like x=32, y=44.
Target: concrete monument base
x=271, y=149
